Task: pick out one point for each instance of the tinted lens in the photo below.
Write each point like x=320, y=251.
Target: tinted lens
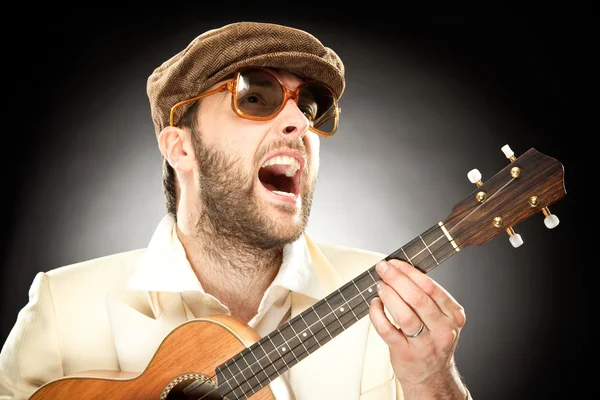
x=259, y=94
x=318, y=104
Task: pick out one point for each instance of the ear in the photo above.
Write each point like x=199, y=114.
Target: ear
x=176, y=147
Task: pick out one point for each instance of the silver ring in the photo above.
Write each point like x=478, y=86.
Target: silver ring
x=414, y=335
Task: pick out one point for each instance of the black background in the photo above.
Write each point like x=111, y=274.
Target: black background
x=536, y=67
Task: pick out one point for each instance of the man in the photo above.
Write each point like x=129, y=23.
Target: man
x=238, y=115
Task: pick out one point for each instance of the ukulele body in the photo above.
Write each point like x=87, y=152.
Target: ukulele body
x=183, y=368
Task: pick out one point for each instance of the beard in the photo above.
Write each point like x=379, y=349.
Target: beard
x=231, y=210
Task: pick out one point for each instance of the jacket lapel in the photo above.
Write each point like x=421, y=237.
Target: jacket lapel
x=140, y=322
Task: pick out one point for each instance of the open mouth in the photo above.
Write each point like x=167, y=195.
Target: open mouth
x=281, y=175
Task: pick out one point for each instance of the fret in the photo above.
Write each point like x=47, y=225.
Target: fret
x=371, y=291
x=320, y=317
x=336, y=300
x=266, y=367
x=421, y=254
x=361, y=294
x=238, y=375
x=223, y=390
x=289, y=356
x=308, y=332
x=223, y=378
x=275, y=362
x=237, y=390
x=341, y=315
x=227, y=374
x=437, y=244
x=320, y=324
x=242, y=365
x=256, y=368
x=356, y=304
x=328, y=318
x=341, y=307
x=347, y=316
x=252, y=368
x=304, y=333
x=442, y=256
x=406, y=257
x=428, y=250
x=284, y=359
x=276, y=339
x=375, y=278
x=443, y=246
x=350, y=291
x=297, y=350
x=281, y=346
x=315, y=327
x=352, y=297
x=294, y=348
x=280, y=359
x=366, y=284
x=412, y=250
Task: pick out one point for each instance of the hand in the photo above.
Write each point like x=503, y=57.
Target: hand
x=423, y=364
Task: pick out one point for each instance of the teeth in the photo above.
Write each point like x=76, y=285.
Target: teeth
x=291, y=162
x=284, y=193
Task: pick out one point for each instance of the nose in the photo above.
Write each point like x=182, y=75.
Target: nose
x=291, y=121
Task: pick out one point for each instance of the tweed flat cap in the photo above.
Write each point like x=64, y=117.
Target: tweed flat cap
x=216, y=54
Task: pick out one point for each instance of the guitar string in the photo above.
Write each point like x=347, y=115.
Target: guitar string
x=274, y=352
x=395, y=254
x=309, y=350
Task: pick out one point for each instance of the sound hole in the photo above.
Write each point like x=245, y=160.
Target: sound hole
x=191, y=387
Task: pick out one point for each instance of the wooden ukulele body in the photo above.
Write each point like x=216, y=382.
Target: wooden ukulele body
x=195, y=348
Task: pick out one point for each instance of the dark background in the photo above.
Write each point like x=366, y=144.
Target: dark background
x=428, y=98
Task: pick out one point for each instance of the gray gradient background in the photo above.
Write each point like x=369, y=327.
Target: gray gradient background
x=428, y=99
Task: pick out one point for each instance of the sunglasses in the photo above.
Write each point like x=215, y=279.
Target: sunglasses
x=259, y=95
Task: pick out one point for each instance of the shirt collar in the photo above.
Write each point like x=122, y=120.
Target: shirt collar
x=164, y=266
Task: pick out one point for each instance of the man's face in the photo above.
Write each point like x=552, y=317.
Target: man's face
x=256, y=178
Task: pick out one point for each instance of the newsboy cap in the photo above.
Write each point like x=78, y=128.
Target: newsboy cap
x=216, y=54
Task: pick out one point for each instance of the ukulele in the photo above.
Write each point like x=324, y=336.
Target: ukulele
x=237, y=363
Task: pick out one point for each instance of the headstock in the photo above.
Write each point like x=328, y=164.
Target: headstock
x=527, y=186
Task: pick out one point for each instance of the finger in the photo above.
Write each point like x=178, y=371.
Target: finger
x=444, y=300
x=388, y=332
x=404, y=316
x=423, y=305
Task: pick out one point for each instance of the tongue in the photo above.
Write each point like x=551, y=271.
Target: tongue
x=273, y=177
x=270, y=187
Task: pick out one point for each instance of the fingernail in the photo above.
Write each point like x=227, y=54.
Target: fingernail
x=382, y=266
x=399, y=265
x=380, y=286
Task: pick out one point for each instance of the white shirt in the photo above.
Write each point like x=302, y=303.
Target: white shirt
x=165, y=268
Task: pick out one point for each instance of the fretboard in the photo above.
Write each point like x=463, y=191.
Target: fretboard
x=256, y=366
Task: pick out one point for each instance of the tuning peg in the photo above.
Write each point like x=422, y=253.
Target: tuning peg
x=508, y=153
x=514, y=238
x=475, y=177
x=551, y=220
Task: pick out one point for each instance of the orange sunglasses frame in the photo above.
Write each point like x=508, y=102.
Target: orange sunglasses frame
x=288, y=94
